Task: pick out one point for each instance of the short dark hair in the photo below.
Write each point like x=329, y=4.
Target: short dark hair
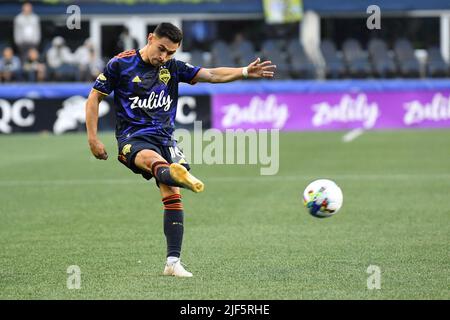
x=169, y=31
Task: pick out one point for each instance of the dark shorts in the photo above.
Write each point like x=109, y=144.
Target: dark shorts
x=129, y=148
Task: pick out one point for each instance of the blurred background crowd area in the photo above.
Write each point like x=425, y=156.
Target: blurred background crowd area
x=305, y=39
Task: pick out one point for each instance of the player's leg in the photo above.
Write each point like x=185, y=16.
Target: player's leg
x=173, y=174
x=173, y=230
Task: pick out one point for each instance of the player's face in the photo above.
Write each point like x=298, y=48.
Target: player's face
x=160, y=50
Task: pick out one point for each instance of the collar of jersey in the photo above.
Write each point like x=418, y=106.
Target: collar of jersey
x=146, y=63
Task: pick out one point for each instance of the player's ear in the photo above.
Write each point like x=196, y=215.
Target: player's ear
x=150, y=37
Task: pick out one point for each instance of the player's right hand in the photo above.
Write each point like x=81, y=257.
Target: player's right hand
x=98, y=149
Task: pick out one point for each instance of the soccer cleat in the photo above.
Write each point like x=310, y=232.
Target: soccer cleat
x=180, y=174
x=177, y=270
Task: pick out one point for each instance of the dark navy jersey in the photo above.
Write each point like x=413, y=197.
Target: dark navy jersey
x=145, y=97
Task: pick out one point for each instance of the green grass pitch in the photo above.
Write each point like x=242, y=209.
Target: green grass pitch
x=246, y=237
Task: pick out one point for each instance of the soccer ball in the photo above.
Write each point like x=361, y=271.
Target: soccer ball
x=322, y=198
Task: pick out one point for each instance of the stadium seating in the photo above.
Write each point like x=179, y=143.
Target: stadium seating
x=435, y=65
x=334, y=65
x=244, y=52
x=222, y=54
x=301, y=65
x=409, y=65
x=382, y=63
x=356, y=58
x=197, y=58
x=272, y=50
x=294, y=63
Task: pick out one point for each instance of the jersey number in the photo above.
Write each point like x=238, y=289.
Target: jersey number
x=174, y=152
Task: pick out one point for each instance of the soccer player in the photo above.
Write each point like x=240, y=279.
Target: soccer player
x=145, y=85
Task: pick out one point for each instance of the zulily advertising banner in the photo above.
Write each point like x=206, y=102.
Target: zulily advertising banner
x=332, y=110
x=67, y=114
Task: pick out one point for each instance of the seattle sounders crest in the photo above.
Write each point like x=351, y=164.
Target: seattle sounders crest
x=164, y=76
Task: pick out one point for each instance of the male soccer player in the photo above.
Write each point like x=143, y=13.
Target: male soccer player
x=145, y=85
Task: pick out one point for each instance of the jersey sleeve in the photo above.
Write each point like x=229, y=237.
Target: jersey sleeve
x=107, y=81
x=186, y=72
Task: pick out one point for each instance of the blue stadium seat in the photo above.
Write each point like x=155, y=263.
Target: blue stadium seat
x=271, y=51
x=222, y=55
x=436, y=66
x=357, y=59
x=409, y=65
x=334, y=66
x=197, y=58
x=301, y=66
x=244, y=52
x=383, y=64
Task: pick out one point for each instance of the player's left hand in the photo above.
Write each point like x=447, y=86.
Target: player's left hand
x=258, y=69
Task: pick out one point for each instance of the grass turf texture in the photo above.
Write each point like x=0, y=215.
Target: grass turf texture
x=246, y=237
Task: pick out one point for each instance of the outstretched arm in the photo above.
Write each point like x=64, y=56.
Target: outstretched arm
x=254, y=70
x=92, y=105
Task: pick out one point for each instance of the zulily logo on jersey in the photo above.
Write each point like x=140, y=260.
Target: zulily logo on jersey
x=154, y=101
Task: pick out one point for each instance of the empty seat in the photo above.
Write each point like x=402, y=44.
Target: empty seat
x=436, y=66
x=334, y=66
x=408, y=64
x=197, y=58
x=301, y=65
x=356, y=58
x=382, y=63
x=269, y=45
x=244, y=52
x=222, y=55
x=271, y=51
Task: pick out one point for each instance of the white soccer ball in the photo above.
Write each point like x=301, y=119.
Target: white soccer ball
x=322, y=198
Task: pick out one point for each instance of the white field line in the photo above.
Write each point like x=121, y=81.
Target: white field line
x=352, y=135
x=268, y=179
